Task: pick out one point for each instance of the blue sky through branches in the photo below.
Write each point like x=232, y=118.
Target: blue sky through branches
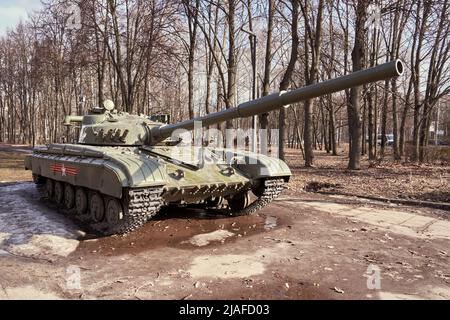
x=13, y=11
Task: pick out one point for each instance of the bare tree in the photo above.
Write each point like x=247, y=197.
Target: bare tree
x=354, y=116
x=284, y=84
x=191, y=9
x=263, y=119
x=313, y=43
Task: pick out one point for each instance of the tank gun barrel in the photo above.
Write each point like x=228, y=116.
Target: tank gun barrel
x=69, y=119
x=277, y=100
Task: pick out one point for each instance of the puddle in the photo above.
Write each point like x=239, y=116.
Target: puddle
x=185, y=229
x=271, y=222
x=182, y=228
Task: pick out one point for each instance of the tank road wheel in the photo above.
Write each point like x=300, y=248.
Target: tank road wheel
x=259, y=190
x=239, y=201
x=114, y=211
x=214, y=202
x=37, y=179
x=97, y=207
x=59, y=192
x=69, y=196
x=49, y=188
x=266, y=191
x=40, y=185
x=136, y=208
x=81, y=201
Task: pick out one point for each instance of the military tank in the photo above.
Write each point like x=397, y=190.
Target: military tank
x=125, y=167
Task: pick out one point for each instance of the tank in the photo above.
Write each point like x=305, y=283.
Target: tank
x=125, y=168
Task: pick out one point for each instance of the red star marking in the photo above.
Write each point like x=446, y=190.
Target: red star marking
x=63, y=169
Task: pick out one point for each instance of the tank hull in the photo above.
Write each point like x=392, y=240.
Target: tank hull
x=112, y=170
x=117, y=189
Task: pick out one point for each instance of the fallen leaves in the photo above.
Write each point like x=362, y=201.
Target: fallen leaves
x=388, y=179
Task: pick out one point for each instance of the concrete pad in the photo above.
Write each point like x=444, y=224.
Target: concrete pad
x=440, y=229
x=407, y=231
x=374, y=219
x=426, y=293
x=405, y=223
x=383, y=295
x=325, y=206
x=418, y=222
x=392, y=217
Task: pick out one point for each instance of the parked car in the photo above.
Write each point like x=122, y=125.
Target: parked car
x=440, y=142
x=389, y=139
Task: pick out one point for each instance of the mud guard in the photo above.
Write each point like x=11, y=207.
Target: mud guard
x=258, y=166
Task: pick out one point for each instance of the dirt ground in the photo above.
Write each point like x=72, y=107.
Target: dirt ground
x=302, y=246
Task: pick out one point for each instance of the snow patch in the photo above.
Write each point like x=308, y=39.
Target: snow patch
x=201, y=240
x=27, y=293
x=4, y=253
x=29, y=228
x=270, y=223
x=228, y=266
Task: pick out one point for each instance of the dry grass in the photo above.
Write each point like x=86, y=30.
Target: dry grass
x=386, y=179
x=12, y=167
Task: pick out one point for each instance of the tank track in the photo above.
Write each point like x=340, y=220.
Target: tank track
x=272, y=189
x=140, y=205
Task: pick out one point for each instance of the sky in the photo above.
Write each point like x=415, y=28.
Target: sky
x=12, y=11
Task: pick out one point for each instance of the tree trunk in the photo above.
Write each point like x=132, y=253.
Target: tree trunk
x=311, y=75
x=263, y=118
x=192, y=14
x=355, y=92
x=288, y=75
x=384, y=113
x=232, y=67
